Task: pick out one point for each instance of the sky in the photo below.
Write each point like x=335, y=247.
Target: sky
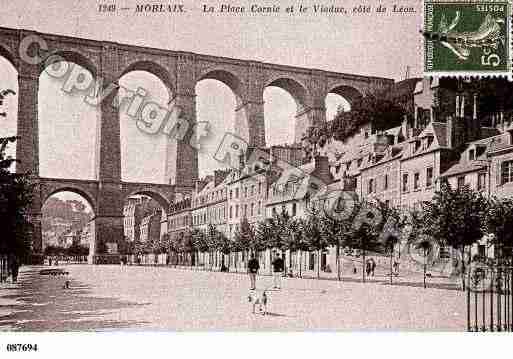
x=377, y=45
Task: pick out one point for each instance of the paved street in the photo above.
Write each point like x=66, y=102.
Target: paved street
x=158, y=298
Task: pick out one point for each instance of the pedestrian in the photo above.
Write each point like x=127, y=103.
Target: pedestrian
x=367, y=267
x=373, y=266
x=278, y=265
x=15, y=266
x=396, y=268
x=253, y=267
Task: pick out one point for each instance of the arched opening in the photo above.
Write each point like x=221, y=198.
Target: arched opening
x=8, y=101
x=144, y=228
x=280, y=111
x=340, y=99
x=284, y=100
x=217, y=99
x=144, y=150
x=67, y=226
x=67, y=124
x=334, y=104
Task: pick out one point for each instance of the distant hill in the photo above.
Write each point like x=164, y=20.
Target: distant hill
x=71, y=212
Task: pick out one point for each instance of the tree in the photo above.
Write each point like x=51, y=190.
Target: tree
x=245, y=236
x=380, y=112
x=264, y=233
x=201, y=241
x=314, y=236
x=499, y=222
x=15, y=199
x=297, y=240
x=367, y=226
x=336, y=232
x=3, y=95
x=223, y=245
x=314, y=138
x=455, y=217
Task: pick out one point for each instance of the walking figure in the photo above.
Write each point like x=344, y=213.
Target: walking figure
x=373, y=266
x=278, y=267
x=396, y=268
x=253, y=267
x=15, y=266
x=368, y=266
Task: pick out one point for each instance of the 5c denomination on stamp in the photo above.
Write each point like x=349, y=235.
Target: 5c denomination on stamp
x=467, y=38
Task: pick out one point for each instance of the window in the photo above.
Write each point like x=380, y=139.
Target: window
x=294, y=209
x=481, y=181
x=359, y=162
x=245, y=210
x=461, y=182
x=385, y=182
x=274, y=211
x=236, y=193
x=506, y=172
x=236, y=211
x=471, y=155
x=370, y=185
x=429, y=141
x=283, y=208
x=246, y=192
x=405, y=182
x=416, y=180
x=417, y=146
x=429, y=176
x=252, y=208
x=259, y=187
x=231, y=194
x=259, y=206
x=252, y=190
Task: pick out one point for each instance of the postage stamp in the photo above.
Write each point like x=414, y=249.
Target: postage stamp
x=467, y=38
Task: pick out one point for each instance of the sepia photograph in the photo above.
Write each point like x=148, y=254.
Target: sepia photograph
x=254, y=167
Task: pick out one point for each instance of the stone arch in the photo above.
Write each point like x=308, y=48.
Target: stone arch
x=229, y=79
x=153, y=194
x=295, y=88
x=351, y=94
x=7, y=54
x=70, y=56
x=153, y=68
x=84, y=193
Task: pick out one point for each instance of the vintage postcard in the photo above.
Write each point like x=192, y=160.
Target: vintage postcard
x=290, y=166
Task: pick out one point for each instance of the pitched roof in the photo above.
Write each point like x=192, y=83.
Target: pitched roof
x=464, y=167
x=440, y=133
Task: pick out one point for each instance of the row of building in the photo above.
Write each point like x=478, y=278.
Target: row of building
x=460, y=130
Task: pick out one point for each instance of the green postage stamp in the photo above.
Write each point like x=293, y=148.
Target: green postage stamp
x=467, y=38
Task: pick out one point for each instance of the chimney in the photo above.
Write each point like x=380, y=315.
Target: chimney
x=322, y=169
x=450, y=130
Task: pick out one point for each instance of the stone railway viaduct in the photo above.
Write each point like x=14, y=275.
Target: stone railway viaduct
x=179, y=71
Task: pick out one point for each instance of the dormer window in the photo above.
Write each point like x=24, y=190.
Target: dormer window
x=416, y=146
x=472, y=155
x=480, y=150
